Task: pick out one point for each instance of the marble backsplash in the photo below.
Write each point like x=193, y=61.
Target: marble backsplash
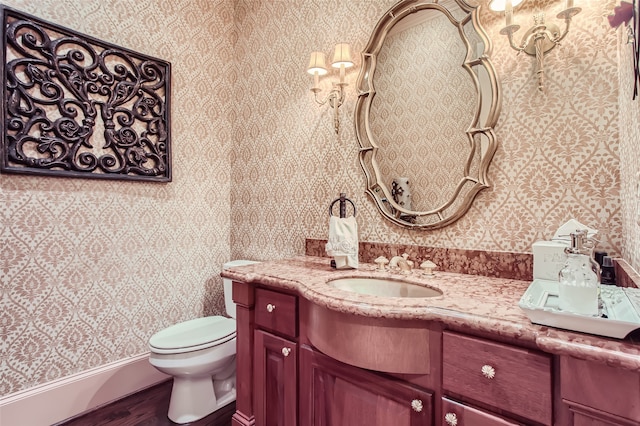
x=517, y=266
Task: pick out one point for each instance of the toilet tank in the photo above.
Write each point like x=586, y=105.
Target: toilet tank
x=228, y=298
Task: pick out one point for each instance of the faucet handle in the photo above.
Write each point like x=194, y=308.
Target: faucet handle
x=381, y=262
x=427, y=267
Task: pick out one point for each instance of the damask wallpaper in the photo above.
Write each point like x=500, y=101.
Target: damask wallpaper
x=629, y=148
x=89, y=270
x=558, y=155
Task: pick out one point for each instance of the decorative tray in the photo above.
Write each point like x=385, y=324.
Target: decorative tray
x=620, y=310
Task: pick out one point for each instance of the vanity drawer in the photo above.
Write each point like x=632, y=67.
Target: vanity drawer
x=454, y=413
x=276, y=312
x=509, y=378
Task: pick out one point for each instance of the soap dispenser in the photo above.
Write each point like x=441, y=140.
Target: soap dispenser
x=579, y=287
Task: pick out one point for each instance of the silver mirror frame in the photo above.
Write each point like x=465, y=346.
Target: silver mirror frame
x=461, y=201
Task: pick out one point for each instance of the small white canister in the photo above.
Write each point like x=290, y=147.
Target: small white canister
x=401, y=192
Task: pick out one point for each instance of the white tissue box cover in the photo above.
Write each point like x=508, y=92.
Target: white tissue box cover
x=548, y=259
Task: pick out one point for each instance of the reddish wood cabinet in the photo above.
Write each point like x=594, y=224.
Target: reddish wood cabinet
x=598, y=395
x=277, y=312
x=267, y=348
x=282, y=380
x=336, y=394
x=510, y=379
x=457, y=414
x=276, y=376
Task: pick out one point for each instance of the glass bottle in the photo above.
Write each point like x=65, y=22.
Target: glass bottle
x=608, y=275
x=579, y=287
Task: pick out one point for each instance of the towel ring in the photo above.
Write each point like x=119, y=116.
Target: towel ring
x=343, y=205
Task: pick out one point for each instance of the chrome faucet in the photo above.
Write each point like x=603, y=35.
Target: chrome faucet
x=401, y=262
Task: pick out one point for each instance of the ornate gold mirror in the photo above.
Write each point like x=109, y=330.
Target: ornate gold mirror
x=428, y=99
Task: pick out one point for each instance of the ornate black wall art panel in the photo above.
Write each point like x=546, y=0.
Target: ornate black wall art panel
x=77, y=106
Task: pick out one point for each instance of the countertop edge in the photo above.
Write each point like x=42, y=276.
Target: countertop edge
x=547, y=339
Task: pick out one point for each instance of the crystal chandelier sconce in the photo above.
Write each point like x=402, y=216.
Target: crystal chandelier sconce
x=318, y=67
x=541, y=37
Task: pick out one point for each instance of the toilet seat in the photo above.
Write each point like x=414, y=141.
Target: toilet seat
x=193, y=335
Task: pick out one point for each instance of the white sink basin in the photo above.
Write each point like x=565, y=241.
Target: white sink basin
x=383, y=287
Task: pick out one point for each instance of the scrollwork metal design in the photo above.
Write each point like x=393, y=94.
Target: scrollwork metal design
x=77, y=106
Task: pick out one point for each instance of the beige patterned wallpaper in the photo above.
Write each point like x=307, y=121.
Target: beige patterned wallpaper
x=558, y=154
x=89, y=270
x=629, y=149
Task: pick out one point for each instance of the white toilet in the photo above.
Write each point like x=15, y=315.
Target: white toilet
x=200, y=354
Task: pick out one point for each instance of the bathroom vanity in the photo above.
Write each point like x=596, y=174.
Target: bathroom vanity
x=311, y=354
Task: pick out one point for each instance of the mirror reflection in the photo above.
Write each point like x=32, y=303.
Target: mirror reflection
x=428, y=102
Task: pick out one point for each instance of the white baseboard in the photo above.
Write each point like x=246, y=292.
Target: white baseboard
x=62, y=399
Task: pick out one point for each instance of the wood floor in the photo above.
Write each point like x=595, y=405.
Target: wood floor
x=146, y=408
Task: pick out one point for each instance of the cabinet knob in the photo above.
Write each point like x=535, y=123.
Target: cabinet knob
x=270, y=307
x=488, y=371
x=416, y=404
x=451, y=419
x=286, y=351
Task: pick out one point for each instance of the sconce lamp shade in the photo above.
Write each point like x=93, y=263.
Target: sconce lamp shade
x=501, y=5
x=318, y=67
x=317, y=63
x=342, y=56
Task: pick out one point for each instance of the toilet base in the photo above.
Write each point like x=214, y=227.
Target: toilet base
x=204, y=380
x=195, y=398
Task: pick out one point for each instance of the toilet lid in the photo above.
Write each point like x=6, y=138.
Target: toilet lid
x=194, y=334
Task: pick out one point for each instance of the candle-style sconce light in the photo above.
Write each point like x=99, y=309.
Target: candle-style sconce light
x=318, y=66
x=541, y=37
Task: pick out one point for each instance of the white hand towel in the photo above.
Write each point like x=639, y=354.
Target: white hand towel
x=343, y=241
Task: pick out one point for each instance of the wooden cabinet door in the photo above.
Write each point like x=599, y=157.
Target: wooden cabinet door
x=275, y=375
x=337, y=394
x=599, y=395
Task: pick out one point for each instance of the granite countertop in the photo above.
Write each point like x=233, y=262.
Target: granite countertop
x=473, y=302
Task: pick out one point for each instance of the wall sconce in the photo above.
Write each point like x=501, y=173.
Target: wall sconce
x=541, y=37
x=318, y=67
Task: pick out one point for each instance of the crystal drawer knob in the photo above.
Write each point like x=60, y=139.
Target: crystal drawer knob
x=488, y=371
x=416, y=404
x=451, y=419
x=270, y=307
x=286, y=351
